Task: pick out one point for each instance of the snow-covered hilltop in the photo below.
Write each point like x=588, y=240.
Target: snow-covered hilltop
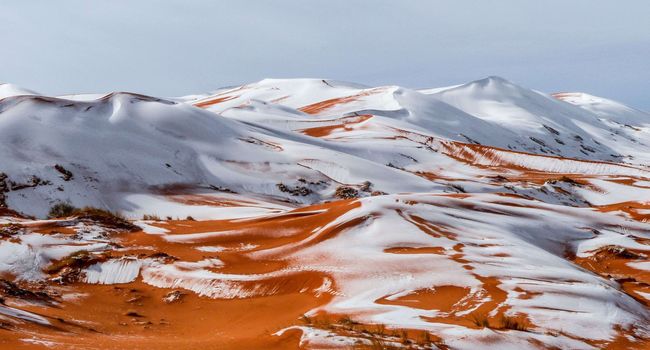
x=280, y=137
x=325, y=214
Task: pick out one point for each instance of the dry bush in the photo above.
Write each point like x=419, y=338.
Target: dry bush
x=347, y=322
x=379, y=344
x=609, y=251
x=306, y=319
x=77, y=260
x=513, y=323
x=66, y=174
x=295, y=191
x=404, y=337
x=70, y=269
x=11, y=289
x=8, y=230
x=105, y=217
x=61, y=210
x=480, y=320
x=505, y=322
x=346, y=192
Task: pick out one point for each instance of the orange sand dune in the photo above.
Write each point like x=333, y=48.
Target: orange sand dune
x=278, y=294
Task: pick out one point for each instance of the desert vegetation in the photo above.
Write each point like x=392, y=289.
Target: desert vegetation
x=503, y=322
x=374, y=336
x=346, y=192
x=105, y=217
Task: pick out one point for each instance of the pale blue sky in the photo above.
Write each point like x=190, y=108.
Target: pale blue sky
x=176, y=47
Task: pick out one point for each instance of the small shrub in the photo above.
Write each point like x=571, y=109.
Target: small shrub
x=8, y=230
x=425, y=338
x=162, y=256
x=404, y=336
x=106, y=217
x=11, y=289
x=150, y=217
x=102, y=216
x=77, y=260
x=566, y=180
x=613, y=251
x=458, y=188
x=505, y=322
x=66, y=174
x=34, y=181
x=480, y=320
x=347, y=322
x=189, y=218
x=295, y=191
x=61, y=210
x=379, y=344
x=173, y=296
x=513, y=323
x=346, y=192
x=4, y=188
x=306, y=319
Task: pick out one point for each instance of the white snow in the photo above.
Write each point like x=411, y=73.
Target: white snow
x=123, y=270
x=26, y=257
x=645, y=265
x=23, y=315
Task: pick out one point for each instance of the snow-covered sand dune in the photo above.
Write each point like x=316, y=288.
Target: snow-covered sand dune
x=313, y=213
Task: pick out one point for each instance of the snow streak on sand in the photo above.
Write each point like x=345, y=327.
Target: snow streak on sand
x=113, y=271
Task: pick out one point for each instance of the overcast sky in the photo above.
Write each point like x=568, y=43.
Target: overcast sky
x=177, y=47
